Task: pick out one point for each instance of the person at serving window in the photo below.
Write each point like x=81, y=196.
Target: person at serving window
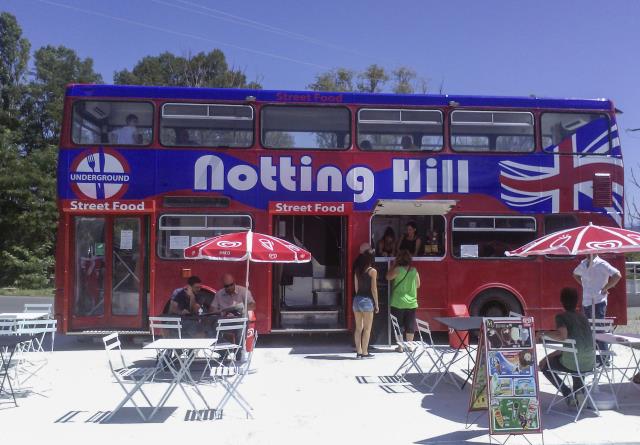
x=386, y=246
x=410, y=241
x=230, y=299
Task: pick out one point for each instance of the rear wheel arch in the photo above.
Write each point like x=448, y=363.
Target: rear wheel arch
x=495, y=302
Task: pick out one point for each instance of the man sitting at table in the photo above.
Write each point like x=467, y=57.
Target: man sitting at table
x=230, y=299
x=569, y=325
x=183, y=300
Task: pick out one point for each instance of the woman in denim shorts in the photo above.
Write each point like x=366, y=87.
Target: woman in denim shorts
x=365, y=301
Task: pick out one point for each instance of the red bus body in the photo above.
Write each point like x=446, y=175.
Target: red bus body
x=125, y=209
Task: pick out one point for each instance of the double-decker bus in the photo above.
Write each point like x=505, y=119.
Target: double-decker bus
x=146, y=171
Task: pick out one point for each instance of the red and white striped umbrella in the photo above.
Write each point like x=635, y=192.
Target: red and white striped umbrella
x=248, y=246
x=583, y=240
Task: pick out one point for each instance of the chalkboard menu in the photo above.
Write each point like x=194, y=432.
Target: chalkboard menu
x=505, y=380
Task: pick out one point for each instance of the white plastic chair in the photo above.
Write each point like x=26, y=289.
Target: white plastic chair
x=126, y=375
x=412, y=349
x=231, y=376
x=39, y=307
x=436, y=354
x=568, y=346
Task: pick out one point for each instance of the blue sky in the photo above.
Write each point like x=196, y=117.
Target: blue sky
x=552, y=48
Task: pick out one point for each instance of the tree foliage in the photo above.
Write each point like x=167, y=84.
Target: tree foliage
x=373, y=79
x=200, y=70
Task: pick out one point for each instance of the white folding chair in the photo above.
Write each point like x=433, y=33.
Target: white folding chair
x=226, y=328
x=568, y=346
x=436, y=354
x=230, y=376
x=9, y=325
x=164, y=325
x=412, y=349
x=39, y=330
x=126, y=375
x=39, y=307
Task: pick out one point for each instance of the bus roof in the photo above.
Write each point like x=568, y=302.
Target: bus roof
x=316, y=97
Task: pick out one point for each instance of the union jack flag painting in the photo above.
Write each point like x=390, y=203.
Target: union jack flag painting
x=562, y=179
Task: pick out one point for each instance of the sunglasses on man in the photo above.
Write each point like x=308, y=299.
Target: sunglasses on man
x=228, y=286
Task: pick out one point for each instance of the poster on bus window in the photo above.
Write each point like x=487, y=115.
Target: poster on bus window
x=511, y=373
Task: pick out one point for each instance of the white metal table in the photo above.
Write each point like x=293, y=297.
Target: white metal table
x=632, y=341
x=23, y=315
x=177, y=356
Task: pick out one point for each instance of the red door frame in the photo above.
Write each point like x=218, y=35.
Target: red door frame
x=106, y=320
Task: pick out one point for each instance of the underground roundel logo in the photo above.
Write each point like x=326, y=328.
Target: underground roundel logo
x=99, y=174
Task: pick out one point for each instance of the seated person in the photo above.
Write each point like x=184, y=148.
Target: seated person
x=569, y=325
x=229, y=300
x=365, y=144
x=183, y=138
x=407, y=143
x=128, y=134
x=183, y=300
x=386, y=246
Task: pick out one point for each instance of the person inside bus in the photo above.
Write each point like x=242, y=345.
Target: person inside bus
x=410, y=241
x=386, y=246
x=183, y=299
x=365, y=300
x=229, y=301
x=365, y=144
x=407, y=143
x=129, y=133
x=573, y=325
x=183, y=138
x=405, y=282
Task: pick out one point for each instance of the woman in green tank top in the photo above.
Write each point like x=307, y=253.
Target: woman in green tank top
x=404, y=294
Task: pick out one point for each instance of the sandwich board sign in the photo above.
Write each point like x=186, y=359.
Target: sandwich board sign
x=505, y=380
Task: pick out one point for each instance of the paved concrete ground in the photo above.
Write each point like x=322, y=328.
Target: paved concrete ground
x=305, y=390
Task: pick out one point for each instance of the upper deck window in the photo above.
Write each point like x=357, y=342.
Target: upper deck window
x=112, y=123
x=591, y=130
x=395, y=129
x=320, y=128
x=206, y=125
x=501, y=131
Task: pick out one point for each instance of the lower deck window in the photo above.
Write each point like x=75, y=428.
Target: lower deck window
x=490, y=237
x=177, y=232
x=389, y=235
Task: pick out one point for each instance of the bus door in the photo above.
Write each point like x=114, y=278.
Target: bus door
x=110, y=272
x=311, y=296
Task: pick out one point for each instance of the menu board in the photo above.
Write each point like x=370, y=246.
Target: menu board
x=479, y=400
x=511, y=371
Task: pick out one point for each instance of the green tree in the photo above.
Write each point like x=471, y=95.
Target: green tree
x=339, y=80
x=14, y=57
x=373, y=79
x=200, y=70
x=404, y=79
x=54, y=68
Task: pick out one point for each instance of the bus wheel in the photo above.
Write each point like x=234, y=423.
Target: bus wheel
x=495, y=303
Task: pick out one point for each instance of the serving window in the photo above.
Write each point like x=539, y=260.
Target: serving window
x=112, y=123
x=489, y=236
x=177, y=232
x=317, y=128
x=389, y=235
x=206, y=125
x=497, y=131
x=400, y=129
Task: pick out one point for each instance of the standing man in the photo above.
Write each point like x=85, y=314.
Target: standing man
x=596, y=277
x=232, y=295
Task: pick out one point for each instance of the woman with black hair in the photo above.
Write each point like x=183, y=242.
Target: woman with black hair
x=410, y=241
x=365, y=301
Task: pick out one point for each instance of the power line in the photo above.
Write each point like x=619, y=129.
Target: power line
x=182, y=34
x=228, y=17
